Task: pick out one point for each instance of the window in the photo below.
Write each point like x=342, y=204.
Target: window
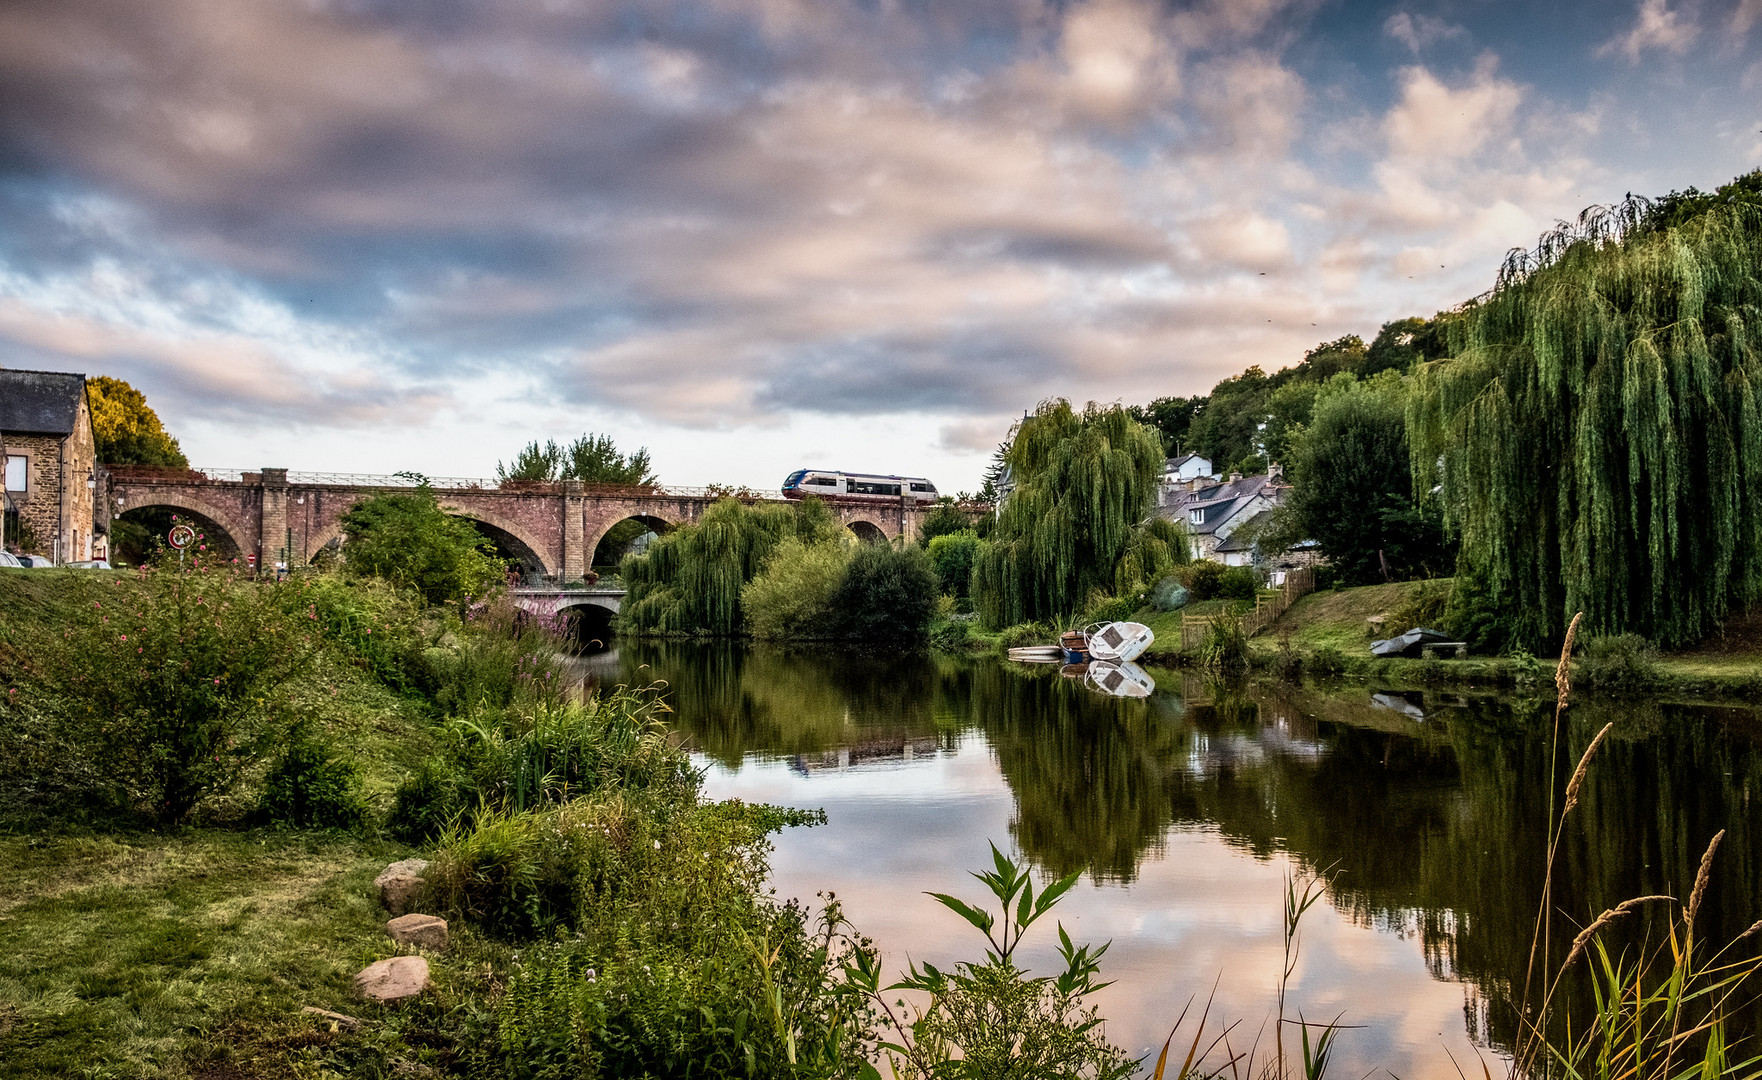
x=16, y=472
x=861, y=487
x=924, y=487
x=1197, y=517
x=824, y=481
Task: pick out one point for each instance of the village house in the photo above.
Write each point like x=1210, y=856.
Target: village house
x=1212, y=511
x=51, y=467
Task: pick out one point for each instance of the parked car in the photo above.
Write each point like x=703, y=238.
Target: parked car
x=37, y=561
x=91, y=564
x=7, y=559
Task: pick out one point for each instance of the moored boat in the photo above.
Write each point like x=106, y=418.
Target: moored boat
x=1119, y=640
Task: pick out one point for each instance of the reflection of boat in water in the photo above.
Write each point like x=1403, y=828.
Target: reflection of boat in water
x=1397, y=702
x=1119, y=678
x=1124, y=641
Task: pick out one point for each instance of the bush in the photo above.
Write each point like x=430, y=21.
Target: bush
x=1207, y=580
x=1327, y=660
x=1027, y=633
x=682, y=966
x=425, y=803
x=374, y=623
x=1622, y=664
x=1225, y=647
x=945, y=519
x=411, y=542
x=887, y=594
x=165, y=685
x=951, y=635
x=1169, y=594
x=1102, y=608
x=792, y=596
x=311, y=787
x=953, y=555
x=1425, y=604
x=502, y=658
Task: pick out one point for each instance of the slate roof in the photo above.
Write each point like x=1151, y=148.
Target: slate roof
x=1174, y=463
x=40, y=402
x=1240, y=539
x=1218, y=503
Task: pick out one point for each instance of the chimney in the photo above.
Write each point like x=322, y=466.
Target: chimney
x=1235, y=476
x=1275, y=473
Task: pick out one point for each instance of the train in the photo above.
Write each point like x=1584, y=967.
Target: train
x=804, y=482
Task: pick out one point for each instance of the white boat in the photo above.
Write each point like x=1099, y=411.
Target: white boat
x=1038, y=654
x=1119, y=640
x=1120, y=678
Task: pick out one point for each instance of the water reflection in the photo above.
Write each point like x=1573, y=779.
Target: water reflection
x=1185, y=808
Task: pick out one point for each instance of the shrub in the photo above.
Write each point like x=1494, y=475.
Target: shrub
x=1225, y=647
x=887, y=594
x=425, y=803
x=1169, y=594
x=792, y=596
x=945, y=519
x=311, y=787
x=165, y=684
x=1327, y=660
x=375, y=624
x=1425, y=604
x=1622, y=664
x=411, y=542
x=953, y=555
x=682, y=966
x=501, y=659
x=1028, y=633
x=951, y=635
x=1102, y=608
x=1207, y=580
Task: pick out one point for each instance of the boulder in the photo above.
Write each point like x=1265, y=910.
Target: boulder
x=424, y=930
x=400, y=885
x=394, y=980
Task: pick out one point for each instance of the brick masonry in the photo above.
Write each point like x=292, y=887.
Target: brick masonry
x=552, y=530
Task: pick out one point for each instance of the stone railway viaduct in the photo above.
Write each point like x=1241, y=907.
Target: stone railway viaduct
x=550, y=530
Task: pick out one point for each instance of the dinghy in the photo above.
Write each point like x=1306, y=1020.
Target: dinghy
x=1038, y=654
x=1119, y=640
x=1120, y=678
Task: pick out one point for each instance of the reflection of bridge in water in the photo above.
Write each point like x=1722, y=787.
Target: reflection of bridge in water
x=551, y=531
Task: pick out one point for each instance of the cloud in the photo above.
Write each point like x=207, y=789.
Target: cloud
x=1419, y=31
x=1747, y=15
x=1657, y=26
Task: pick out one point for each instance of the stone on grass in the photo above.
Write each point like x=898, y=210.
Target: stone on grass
x=393, y=980
x=400, y=884
x=424, y=930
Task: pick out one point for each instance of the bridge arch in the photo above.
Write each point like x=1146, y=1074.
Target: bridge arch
x=867, y=531
x=528, y=549
x=589, y=623
x=656, y=523
x=214, y=522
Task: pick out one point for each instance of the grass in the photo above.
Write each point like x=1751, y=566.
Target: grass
x=192, y=954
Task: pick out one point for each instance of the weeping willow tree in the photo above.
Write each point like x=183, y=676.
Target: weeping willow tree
x=1075, y=522
x=689, y=581
x=1597, y=430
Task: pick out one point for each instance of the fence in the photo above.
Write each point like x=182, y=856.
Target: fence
x=1267, y=609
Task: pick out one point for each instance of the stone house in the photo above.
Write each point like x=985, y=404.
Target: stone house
x=1212, y=511
x=51, y=467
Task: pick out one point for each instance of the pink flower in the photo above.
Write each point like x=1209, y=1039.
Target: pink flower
x=125, y=637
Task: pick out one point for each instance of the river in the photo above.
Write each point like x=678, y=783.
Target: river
x=1186, y=812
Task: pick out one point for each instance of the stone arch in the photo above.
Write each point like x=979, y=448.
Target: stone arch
x=867, y=531
x=658, y=523
x=590, y=624
x=528, y=549
x=210, y=516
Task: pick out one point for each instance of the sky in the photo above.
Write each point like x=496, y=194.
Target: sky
x=756, y=235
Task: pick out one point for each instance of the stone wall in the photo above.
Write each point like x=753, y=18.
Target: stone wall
x=56, y=503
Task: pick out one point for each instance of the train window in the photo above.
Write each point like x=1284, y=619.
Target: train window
x=924, y=487
x=826, y=481
x=795, y=477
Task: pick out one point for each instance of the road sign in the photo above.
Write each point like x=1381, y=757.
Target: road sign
x=181, y=536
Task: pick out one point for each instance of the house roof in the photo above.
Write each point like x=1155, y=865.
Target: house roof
x=1242, y=538
x=1175, y=463
x=40, y=402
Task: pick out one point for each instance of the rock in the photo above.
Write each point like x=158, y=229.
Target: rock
x=424, y=930
x=393, y=980
x=400, y=884
x=347, y=1023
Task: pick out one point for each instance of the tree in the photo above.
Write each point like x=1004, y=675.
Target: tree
x=887, y=594
x=689, y=581
x=1172, y=417
x=126, y=429
x=944, y=519
x=410, y=541
x=952, y=555
x=592, y=459
x=1076, y=522
x=1352, y=487
x=1597, y=433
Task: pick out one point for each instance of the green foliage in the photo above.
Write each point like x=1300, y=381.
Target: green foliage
x=1224, y=649
x=126, y=430
x=690, y=581
x=1621, y=664
x=1084, y=484
x=1600, y=431
x=1001, y=1022
x=887, y=594
x=592, y=459
x=1207, y=580
x=681, y=965
x=951, y=635
x=793, y=595
x=1172, y=417
x=944, y=518
x=411, y=542
x=1352, y=486
x=953, y=555
x=165, y=685
x=312, y=787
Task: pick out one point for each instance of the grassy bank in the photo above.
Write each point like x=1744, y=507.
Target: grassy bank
x=1330, y=632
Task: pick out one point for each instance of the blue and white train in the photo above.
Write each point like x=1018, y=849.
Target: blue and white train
x=804, y=482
